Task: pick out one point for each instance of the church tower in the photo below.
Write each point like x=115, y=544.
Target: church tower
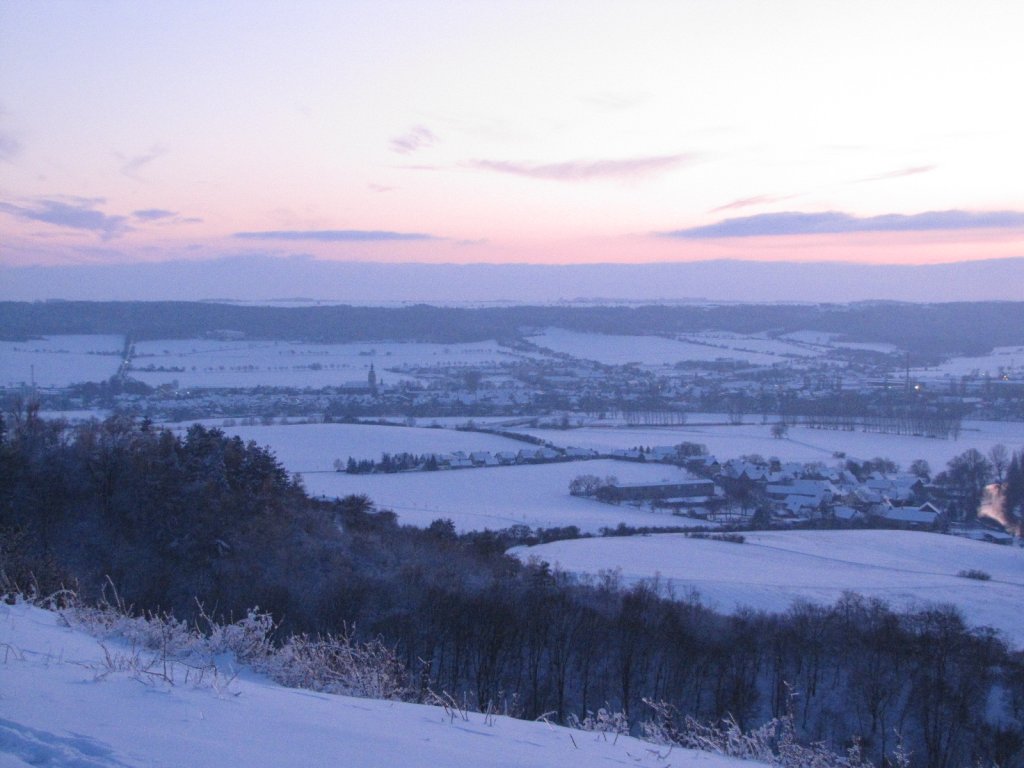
x=371, y=379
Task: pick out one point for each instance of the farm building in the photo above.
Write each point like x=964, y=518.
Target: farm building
x=656, y=491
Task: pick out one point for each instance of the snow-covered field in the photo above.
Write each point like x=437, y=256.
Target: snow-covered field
x=60, y=705
x=211, y=363
x=498, y=497
x=825, y=339
x=658, y=351
x=58, y=361
x=773, y=569
x=1008, y=359
x=802, y=443
x=314, y=447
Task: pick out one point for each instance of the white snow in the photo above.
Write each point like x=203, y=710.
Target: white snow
x=773, y=569
x=57, y=361
x=58, y=708
x=826, y=339
x=803, y=444
x=1002, y=359
x=498, y=497
x=314, y=447
x=654, y=350
x=211, y=363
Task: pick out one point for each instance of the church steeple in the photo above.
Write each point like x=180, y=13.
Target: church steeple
x=371, y=378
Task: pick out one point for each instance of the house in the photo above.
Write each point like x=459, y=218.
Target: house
x=846, y=513
x=663, y=453
x=704, y=465
x=815, y=492
x=537, y=455
x=483, y=459
x=925, y=517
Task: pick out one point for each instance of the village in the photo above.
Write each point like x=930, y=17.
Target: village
x=755, y=492
x=828, y=385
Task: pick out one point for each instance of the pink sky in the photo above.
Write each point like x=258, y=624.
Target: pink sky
x=472, y=132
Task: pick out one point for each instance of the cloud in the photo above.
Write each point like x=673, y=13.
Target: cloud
x=834, y=222
x=153, y=214
x=381, y=188
x=130, y=166
x=587, y=170
x=334, y=235
x=164, y=217
x=418, y=137
x=745, y=202
x=898, y=174
x=72, y=213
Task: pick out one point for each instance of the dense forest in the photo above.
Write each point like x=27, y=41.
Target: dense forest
x=926, y=330
x=205, y=519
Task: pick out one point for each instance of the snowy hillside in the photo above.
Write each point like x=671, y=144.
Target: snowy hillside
x=771, y=570
x=60, y=704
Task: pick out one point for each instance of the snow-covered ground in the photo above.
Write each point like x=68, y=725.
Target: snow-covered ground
x=826, y=339
x=538, y=495
x=707, y=346
x=658, y=351
x=772, y=569
x=57, y=361
x=498, y=497
x=802, y=444
x=314, y=447
x=211, y=363
x=1006, y=359
x=60, y=705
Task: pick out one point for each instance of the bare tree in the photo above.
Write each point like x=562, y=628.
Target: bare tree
x=999, y=457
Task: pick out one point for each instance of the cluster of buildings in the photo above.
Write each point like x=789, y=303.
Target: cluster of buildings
x=753, y=491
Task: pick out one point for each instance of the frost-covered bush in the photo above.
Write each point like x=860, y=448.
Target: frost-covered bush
x=603, y=721
x=151, y=631
x=332, y=664
x=339, y=664
x=773, y=743
x=247, y=639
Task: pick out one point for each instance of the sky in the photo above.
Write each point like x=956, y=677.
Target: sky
x=467, y=132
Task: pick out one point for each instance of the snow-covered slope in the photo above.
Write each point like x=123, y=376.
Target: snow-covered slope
x=61, y=705
x=773, y=569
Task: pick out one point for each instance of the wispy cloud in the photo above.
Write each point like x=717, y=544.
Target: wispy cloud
x=71, y=213
x=746, y=202
x=335, y=235
x=153, y=214
x=836, y=222
x=164, y=217
x=381, y=188
x=131, y=165
x=898, y=174
x=416, y=138
x=588, y=170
